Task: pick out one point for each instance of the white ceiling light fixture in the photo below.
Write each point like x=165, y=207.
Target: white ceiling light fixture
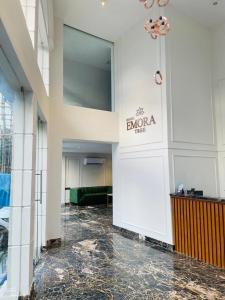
x=103, y=2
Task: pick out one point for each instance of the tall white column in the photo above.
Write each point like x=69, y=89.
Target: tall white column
x=42, y=170
x=20, y=254
x=55, y=136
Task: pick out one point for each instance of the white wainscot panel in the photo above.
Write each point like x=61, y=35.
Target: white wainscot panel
x=222, y=178
x=221, y=161
x=222, y=99
x=220, y=113
x=192, y=115
x=137, y=87
x=72, y=172
x=191, y=82
x=142, y=196
x=197, y=172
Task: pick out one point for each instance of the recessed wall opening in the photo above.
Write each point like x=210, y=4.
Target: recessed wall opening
x=86, y=173
x=87, y=70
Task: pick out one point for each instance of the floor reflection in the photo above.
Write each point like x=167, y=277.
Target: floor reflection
x=3, y=253
x=97, y=262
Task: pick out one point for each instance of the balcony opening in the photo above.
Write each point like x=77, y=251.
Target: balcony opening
x=87, y=70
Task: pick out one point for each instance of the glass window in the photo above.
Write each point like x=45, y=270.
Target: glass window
x=39, y=35
x=87, y=70
x=29, y=10
x=43, y=43
x=6, y=135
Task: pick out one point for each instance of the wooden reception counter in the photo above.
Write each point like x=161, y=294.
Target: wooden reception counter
x=199, y=228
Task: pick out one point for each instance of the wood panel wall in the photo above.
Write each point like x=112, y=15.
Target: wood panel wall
x=199, y=229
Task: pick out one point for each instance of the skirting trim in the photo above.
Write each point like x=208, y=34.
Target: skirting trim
x=149, y=241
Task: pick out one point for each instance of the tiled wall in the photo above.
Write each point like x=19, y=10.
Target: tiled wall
x=22, y=200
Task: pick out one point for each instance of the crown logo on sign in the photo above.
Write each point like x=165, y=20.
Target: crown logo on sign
x=140, y=111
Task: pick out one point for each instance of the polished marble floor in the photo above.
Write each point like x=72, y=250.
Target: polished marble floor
x=97, y=262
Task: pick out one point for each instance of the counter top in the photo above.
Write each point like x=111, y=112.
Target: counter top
x=199, y=198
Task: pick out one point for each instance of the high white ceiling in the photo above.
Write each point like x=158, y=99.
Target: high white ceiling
x=117, y=16
x=203, y=11
x=86, y=147
x=86, y=49
x=107, y=22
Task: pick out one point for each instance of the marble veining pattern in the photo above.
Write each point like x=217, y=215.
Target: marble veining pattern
x=95, y=261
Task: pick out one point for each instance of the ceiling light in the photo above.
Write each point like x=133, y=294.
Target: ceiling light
x=103, y=2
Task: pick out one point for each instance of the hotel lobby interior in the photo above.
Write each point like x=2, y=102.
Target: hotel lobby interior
x=112, y=149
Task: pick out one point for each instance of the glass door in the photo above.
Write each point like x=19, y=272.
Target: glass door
x=38, y=199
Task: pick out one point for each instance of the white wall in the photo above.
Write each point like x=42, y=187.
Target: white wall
x=219, y=95
x=141, y=175
x=142, y=162
x=79, y=175
x=86, y=86
x=22, y=45
x=181, y=146
x=191, y=123
x=19, y=50
x=219, y=98
x=78, y=123
x=103, y=125
x=218, y=53
x=68, y=123
x=84, y=124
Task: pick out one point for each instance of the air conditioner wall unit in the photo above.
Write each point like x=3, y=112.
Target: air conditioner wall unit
x=94, y=161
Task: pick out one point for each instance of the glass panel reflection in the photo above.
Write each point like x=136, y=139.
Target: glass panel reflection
x=87, y=70
x=5, y=179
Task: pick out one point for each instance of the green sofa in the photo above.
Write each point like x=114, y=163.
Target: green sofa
x=89, y=195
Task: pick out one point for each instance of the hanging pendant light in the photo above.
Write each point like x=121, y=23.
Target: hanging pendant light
x=159, y=27
x=162, y=3
x=149, y=3
x=158, y=78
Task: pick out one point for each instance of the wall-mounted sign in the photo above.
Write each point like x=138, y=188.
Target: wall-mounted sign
x=140, y=121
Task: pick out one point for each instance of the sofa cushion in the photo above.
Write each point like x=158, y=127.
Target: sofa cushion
x=89, y=195
x=92, y=199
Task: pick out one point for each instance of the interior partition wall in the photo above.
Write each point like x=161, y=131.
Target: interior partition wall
x=182, y=145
